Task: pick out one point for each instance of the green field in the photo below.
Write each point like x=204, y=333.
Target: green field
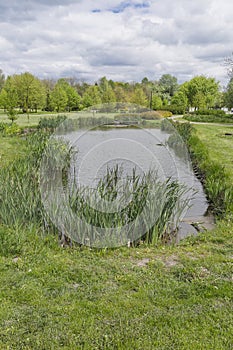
x=161, y=297
x=34, y=118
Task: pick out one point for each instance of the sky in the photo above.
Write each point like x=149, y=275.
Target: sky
x=122, y=40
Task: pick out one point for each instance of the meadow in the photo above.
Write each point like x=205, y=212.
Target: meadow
x=147, y=297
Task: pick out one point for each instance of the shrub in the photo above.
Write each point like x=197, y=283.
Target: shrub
x=3, y=127
x=207, y=118
x=165, y=113
x=9, y=129
x=176, y=110
x=150, y=115
x=215, y=112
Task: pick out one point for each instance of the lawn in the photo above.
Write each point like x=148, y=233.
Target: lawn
x=34, y=118
x=162, y=297
x=219, y=145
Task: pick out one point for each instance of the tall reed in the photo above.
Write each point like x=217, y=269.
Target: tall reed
x=153, y=206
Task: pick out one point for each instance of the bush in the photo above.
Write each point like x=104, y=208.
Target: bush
x=3, y=127
x=215, y=112
x=207, y=118
x=164, y=113
x=176, y=110
x=150, y=115
x=9, y=129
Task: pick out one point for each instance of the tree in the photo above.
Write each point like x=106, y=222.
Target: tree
x=180, y=100
x=169, y=84
x=73, y=98
x=228, y=62
x=30, y=90
x=59, y=98
x=139, y=97
x=156, y=102
x=106, y=90
x=120, y=93
x=91, y=96
x=145, y=81
x=2, y=79
x=48, y=88
x=228, y=96
x=9, y=99
x=201, y=92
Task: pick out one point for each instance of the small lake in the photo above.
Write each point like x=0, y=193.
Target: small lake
x=140, y=148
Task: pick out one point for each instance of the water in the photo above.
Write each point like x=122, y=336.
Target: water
x=143, y=149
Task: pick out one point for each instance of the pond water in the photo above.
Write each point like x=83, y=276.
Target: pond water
x=143, y=149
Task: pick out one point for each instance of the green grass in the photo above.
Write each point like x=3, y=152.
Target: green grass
x=53, y=298
x=220, y=147
x=11, y=147
x=162, y=297
x=34, y=119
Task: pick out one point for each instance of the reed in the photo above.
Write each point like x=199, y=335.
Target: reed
x=153, y=206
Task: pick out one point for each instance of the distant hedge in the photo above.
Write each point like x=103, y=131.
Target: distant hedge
x=206, y=118
x=176, y=110
x=212, y=112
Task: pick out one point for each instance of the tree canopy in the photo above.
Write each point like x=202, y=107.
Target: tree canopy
x=28, y=93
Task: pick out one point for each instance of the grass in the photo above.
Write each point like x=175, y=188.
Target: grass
x=11, y=147
x=220, y=147
x=34, y=118
x=161, y=297
x=144, y=298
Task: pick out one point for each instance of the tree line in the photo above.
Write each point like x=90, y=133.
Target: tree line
x=27, y=93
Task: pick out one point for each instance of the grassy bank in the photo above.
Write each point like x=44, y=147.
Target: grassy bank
x=145, y=298
x=218, y=144
x=162, y=297
x=212, y=154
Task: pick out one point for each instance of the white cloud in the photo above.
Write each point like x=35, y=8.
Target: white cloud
x=124, y=40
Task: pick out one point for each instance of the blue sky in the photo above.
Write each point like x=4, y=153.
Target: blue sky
x=126, y=4
x=122, y=40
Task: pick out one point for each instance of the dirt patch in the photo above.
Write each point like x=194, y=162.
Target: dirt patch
x=143, y=263
x=171, y=261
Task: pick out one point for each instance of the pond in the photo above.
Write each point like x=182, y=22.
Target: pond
x=143, y=149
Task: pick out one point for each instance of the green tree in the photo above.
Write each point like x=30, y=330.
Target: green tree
x=30, y=90
x=9, y=98
x=139, y=97
x=228, y=96
x=180, y=100
x=48, y=85
x=202, y=92
x=106, y=90
x=58, y=98
x=120, y=93
x=91, y=96
x=73, y=98
x=2, y=79
x=156, y=102
x=169, y=84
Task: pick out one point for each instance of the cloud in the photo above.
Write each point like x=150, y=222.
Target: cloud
x=127, y=41
x=129, y=4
